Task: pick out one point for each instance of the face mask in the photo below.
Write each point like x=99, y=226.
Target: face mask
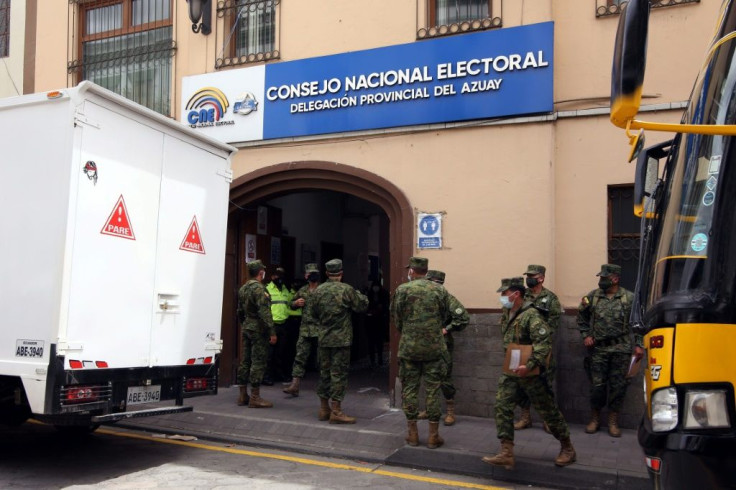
x=506, y=303
x=531, y=282
x=604, y=283
x=408, y=277
x=313, y=277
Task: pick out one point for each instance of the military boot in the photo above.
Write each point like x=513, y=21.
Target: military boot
x=435, y=440
x=595, y=422
x=613, y=429
x=293, y=388
x=412, y=435
x=567, y=454
x=243, y=398
x=505, y=456
x=450, y=417
x=337, y=416
x=324, y=409
x=525, y=421
x=256, y=401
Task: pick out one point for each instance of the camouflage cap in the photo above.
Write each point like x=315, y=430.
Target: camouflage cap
x=436, y=276
x=608, y=269
x=334, y=266
x=311, y=268
x=511, y=282
x=535, y=269
x=418, y=263
x=255, y=267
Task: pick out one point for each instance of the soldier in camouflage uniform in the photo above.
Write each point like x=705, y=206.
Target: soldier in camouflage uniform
x=459, y=319
x=254, y=313
x=603, y=320
x=308, y=329
x=526, y=326
x=332, y=305
x=420, y=309
x=546, y=302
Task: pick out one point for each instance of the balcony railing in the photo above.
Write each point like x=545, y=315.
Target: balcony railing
x=604, y=8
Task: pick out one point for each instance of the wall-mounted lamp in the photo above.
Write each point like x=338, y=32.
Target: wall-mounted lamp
x=200, y=10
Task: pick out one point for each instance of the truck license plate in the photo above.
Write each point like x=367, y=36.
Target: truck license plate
x=143, y=394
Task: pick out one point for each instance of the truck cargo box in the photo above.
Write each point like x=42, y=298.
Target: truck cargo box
x=113, y=243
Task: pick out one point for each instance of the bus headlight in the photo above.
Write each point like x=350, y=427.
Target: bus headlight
x=706, y=410
x=664, y=410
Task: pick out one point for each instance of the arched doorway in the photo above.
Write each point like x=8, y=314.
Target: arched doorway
x=285, y=178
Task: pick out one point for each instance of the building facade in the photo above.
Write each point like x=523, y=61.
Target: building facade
x=472, y=132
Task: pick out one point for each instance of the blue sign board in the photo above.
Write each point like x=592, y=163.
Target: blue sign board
x=481, y=75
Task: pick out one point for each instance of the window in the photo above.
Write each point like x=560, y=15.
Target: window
x=4, y=28
x=446, y=17
x=126, y=46
x=250, y=29
x=613, y=7
x=624, y=234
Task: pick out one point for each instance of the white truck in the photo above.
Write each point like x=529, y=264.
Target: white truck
x=113, y=222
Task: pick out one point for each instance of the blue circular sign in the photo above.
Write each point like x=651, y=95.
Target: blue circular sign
x=429, y=225
x=699, y=242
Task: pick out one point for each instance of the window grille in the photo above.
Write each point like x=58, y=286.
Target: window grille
x=125, y=46
x=604, y=8
x=4, y=28
x=624, y=235
x=250, y=31
x=447, y=17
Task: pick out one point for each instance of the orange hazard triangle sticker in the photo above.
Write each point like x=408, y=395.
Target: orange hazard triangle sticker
x=193, y=240
x=118, y=224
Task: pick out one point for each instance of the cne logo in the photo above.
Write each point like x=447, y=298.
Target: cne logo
x=206, y=107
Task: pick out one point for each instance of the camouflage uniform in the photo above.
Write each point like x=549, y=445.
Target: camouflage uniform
x=459, y=319
x=308, y=332
x=547, y=303
x=254, y=313
x=607, y=321
x=332, y=305
x=420, y=309
x=527, y=326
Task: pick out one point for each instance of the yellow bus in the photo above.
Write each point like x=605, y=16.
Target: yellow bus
x=685, y=298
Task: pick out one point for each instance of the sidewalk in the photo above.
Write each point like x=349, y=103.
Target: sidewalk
x=378, y=436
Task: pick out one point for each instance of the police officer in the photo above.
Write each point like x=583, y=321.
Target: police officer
x=254, y=313
x=333, y=304
x=549, y=304
x=603, y=320
x=420, y=309
x=308, y=329
x=459, y=319
x=525, y=325
x=280, y=300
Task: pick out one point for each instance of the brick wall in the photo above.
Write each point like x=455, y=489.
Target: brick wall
x=479, y=355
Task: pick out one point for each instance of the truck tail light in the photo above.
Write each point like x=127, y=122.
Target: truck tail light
x=80, y=394
x=195, y=384
x=654, y=464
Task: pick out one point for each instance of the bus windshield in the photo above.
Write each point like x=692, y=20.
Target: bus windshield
x=686, y=230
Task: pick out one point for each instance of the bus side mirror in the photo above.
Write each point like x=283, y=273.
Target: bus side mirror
x=629, y=60
x=647, y=176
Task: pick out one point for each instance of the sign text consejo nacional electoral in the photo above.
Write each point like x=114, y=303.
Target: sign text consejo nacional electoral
x=481, y=75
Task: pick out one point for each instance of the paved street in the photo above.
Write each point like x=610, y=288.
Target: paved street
x=37, y=456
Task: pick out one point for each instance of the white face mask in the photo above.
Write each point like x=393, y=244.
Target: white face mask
x=408, y=277
x=506, y=303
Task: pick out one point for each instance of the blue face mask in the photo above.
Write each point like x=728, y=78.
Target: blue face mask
x=506, y=303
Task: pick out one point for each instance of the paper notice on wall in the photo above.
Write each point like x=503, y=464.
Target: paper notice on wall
x=250, y=248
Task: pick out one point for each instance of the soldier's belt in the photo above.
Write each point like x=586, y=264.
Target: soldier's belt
x=610, y=341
